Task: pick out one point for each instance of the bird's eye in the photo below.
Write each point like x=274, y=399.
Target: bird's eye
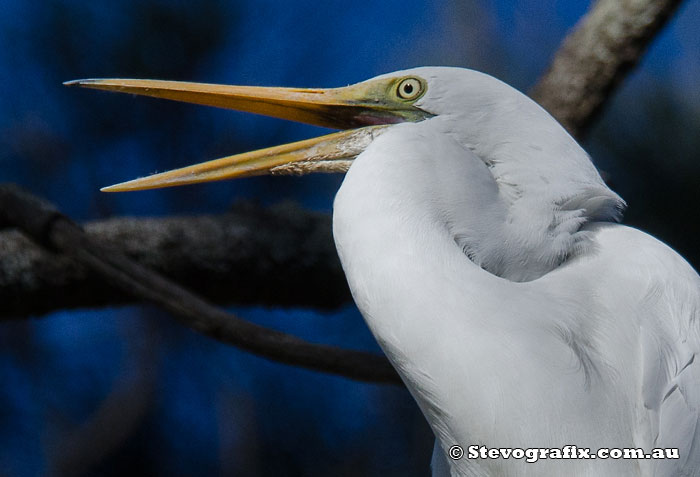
x=409, y=88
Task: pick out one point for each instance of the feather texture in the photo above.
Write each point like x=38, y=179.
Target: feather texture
x=481, y=247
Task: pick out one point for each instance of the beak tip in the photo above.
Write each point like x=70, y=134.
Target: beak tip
x=79, y=82
x=112, y=188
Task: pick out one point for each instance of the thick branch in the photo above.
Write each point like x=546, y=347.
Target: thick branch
x=45, y=225
x=596, y=56
x=284, y=256
x=280, y=256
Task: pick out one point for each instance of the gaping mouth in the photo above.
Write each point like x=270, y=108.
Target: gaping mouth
x=369, y=107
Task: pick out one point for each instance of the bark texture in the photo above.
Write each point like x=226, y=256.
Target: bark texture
x=47, y=226
x=596, y=56
x=279, y=256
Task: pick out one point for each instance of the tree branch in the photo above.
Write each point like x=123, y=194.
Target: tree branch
x=51, y=229
x=596, y=56
x=279, y=256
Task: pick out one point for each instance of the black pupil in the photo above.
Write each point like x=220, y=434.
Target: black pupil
x=408, y=88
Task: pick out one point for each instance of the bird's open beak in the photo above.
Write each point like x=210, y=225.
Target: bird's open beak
x=369, y=106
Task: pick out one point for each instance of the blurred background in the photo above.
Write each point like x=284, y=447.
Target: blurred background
x=126, y=391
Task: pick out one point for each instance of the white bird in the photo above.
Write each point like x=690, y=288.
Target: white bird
x=483, y=250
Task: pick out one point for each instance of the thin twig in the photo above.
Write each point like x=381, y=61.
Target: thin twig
x=43, y=223
x=592, y=61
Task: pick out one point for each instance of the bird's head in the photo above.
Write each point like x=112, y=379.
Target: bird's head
x=362, y=111
x=545, y=181
x=523, y=146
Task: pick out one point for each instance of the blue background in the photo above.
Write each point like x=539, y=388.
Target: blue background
x=167, y=401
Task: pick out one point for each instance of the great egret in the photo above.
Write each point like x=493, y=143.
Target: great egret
x=482, y=248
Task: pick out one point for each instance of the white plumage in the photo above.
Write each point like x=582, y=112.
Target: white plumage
x=481, y=247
